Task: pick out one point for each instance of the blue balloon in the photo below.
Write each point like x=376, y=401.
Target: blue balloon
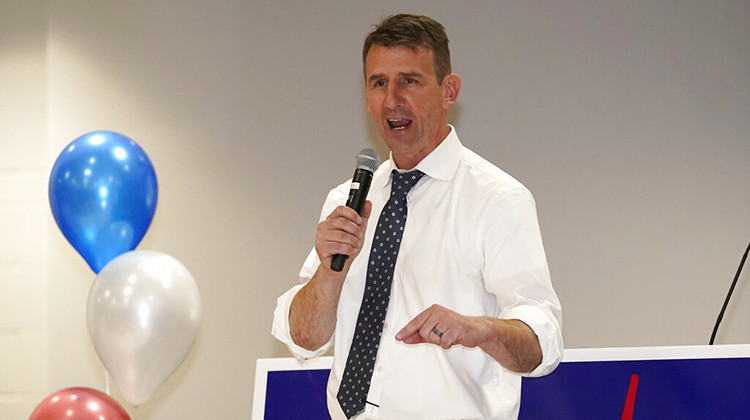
x=103, y=192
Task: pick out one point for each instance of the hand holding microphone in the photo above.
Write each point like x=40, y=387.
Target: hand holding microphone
x=368, y=161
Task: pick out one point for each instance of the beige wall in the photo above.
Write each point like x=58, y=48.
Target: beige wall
x=629, y=122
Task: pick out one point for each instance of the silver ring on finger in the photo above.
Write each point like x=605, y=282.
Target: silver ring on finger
x=437, y=332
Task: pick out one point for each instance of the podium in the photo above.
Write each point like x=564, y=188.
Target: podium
x=677, y=382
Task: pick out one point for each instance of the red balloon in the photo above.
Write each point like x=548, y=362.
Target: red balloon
x=79, y=404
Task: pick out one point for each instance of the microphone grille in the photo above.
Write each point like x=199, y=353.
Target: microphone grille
x=368, y=159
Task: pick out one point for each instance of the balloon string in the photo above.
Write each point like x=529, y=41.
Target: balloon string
x=106, y=381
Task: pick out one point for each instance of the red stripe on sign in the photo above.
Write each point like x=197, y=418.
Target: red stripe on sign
x=627, y=412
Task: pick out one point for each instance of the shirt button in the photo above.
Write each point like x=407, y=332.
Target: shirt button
x=380, y=368
x=385, y=325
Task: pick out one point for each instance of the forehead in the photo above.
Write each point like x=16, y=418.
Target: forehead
x=382, y=60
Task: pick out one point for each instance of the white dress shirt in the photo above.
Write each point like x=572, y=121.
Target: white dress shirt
x=471, y=243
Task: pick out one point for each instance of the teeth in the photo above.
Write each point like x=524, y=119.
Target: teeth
x=392, y=121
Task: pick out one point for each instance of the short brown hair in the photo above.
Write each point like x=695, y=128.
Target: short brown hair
x=413, y=31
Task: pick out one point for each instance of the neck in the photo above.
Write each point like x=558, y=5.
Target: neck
x=408, y=161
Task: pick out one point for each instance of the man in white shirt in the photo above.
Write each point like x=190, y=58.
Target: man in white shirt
x=471, y=305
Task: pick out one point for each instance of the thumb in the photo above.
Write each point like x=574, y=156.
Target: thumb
x=366, y=210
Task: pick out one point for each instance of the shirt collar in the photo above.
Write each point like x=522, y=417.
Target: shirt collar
x=440, y=164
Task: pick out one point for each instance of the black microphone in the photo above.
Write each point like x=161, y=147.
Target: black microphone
x=368, y=161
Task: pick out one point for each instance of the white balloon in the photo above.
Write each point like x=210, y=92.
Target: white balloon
x=143, y=315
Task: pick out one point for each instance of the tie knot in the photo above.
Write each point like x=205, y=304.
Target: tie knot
x=404, y=181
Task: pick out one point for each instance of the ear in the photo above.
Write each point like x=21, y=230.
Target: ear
x=451, y=87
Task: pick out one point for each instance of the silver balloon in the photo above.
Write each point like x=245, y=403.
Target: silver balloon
x=143, y=315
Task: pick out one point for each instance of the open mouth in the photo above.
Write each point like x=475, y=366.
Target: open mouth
x=398, y=123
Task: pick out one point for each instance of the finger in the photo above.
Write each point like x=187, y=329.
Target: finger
x=329, y=249
x=428, y=331
x=330, y=239
x=437, y=332
x=413, y=327
x=449, y=338
x=331, y=233
x=444, y=336
x=340, y=233
x=347, y=212
x=362, y=227
x=413, y=339
x=344, y=219
x=366, y=210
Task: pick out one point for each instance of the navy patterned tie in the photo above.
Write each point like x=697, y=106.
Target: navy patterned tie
x=355, y=382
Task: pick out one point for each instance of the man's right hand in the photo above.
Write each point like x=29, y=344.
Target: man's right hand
x=312, y=316
x=342, y=232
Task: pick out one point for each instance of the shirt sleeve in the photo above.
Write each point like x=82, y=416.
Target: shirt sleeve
x=281, y=327
x=516, y=272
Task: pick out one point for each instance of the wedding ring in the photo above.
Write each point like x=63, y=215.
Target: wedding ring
x=437, y=332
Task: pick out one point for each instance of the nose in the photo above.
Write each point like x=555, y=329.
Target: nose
x=393, y=96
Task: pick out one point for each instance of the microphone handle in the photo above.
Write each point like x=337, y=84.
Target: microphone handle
x=357, y=196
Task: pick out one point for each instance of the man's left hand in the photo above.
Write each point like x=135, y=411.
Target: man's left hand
x=509, y=341
x=446, y=328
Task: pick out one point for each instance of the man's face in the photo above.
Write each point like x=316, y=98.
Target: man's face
x=405, y=101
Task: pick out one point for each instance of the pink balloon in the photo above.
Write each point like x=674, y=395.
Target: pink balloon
x=79, y=404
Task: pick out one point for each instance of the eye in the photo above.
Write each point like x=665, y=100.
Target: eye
x=379, y=83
